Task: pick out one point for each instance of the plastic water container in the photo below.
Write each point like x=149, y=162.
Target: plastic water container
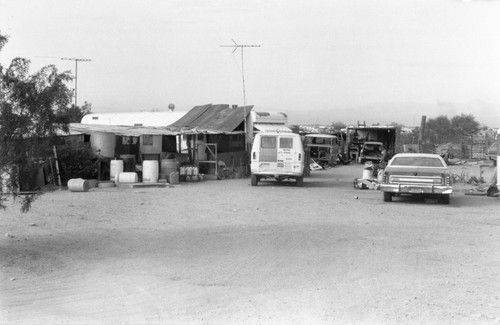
x=78, y=185
x=116, y=167
x=173, y=178
x=127, y=177
x=150, y=171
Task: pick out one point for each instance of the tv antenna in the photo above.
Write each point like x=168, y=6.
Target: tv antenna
x=241, y=46
x=76, y=70
x=76, y=74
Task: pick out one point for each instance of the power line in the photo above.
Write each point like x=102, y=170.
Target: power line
x=242, y=46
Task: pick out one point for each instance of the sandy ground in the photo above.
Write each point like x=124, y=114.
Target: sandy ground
x=223, y=252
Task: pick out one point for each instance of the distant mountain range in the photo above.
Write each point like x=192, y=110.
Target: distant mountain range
x=406, y=113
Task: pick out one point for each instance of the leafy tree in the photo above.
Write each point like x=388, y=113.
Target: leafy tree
x=465, y=124
x=74, y=114
x=77, y=162
x=295, y=128
x=439, y=129
x=28, y=119
x=337, y=125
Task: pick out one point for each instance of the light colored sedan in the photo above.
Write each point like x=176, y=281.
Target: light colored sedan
x=417, y=174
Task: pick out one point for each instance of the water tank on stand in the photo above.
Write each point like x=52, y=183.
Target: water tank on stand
x=103, y=143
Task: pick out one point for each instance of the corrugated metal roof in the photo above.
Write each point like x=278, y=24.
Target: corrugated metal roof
x=120, y=130
x=211, y=119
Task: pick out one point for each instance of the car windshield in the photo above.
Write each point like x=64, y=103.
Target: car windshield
x=373, y=147
x=417, y=162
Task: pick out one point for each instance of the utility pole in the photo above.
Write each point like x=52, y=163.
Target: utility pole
x=239, y=46
x=76, y=74
x=421, y=134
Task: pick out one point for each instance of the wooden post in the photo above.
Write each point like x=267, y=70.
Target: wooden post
x=421, y=134
x=57, y=166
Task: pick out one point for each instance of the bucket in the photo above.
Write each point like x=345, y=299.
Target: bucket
x=78, y=185
x=127, y=178
x=128, y=163
x=116, y=167
x=150, y=171
x=173, y=177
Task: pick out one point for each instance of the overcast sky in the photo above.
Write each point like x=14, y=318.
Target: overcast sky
x=319, y=61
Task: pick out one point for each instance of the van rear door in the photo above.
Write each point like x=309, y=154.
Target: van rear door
x=268, y=149
x=285, y=157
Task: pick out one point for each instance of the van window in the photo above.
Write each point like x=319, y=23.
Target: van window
x=268, y=142
x=286, y=143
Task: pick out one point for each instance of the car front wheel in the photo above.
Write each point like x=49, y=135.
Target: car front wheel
x=444, y=199
x=387, y=197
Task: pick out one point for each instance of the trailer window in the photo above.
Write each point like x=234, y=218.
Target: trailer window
x=268, y=142
x=286, y=143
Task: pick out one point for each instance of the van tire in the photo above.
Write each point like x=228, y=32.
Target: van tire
x=299, y=181
x=387, y=197
x=254, y=180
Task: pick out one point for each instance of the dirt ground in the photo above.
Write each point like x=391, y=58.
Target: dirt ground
x=224, y=252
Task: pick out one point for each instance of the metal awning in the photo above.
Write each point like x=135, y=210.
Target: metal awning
x=120, y=129
x=272, y=128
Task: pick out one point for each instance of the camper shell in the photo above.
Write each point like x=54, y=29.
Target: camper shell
x=278, y=155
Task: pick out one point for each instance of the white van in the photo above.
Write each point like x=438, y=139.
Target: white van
x=277, y=155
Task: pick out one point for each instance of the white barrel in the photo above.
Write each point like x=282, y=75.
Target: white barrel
x=150, y=171
x=78, y=185
x=116, y=167
x=498, y=157
x=127, y=178
x=367, y=173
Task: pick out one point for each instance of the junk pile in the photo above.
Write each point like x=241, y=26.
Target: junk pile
x=489, y=189
x=372, y=175
x=314, y=165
